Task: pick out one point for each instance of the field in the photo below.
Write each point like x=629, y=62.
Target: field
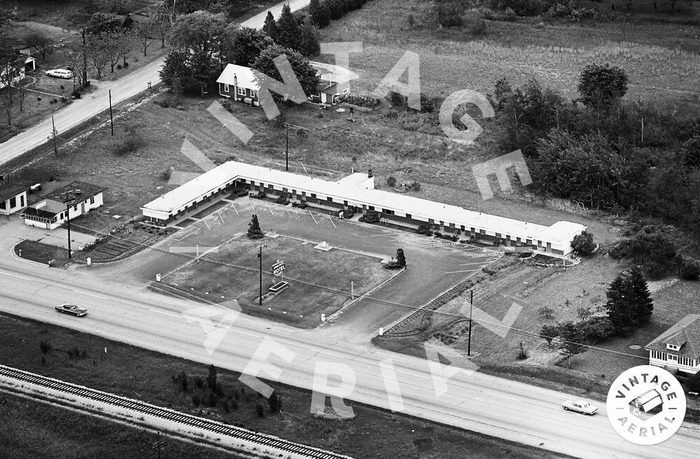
x=134, y=372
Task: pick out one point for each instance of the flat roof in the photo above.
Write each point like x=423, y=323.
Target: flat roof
x=47, y=208
x=80, y=191
x=348, y=190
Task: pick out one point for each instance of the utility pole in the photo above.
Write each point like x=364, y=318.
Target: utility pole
x=286, y=164
x=471, y=305
x=68, y=225
x=111, y=119
x=85, y=76
x=53, y=135
x=260, y=257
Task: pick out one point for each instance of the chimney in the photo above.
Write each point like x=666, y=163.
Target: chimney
x=370, y=174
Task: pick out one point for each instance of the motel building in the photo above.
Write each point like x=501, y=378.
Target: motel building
x=357, y=190
x=12, y=198
x=70, y=201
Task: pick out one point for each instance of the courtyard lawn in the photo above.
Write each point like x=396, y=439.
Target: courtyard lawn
x=319, y=282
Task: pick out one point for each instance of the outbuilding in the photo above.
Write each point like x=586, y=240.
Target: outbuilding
x=12, y=198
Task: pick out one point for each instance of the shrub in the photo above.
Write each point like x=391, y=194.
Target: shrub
x=275, y=402
x=226, y=104
x=391, y=181
x=370, y=217
x=596, y=329
x=259, y=410
x=522, y=355
x=226, y=406
x=415, y=186
x=199, y=382
x=212, y=399
x=583, y=313
x=283, y=199
x=689, y=268
x=549, y=332
x=196, y=400
x=479, y=28
x=583, y=243
x=546, y=313
x=167, y=173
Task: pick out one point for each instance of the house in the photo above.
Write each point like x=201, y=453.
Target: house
x=678, y=347
x=70, y=201
x=333, y=82
x=357, y=191
x=14, y=70
x=239, y=83
x=29, y=60
x=12, y=198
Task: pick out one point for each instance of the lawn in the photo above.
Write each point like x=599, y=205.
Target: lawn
x=319, y=281
x=146, y=375
x=42, y=253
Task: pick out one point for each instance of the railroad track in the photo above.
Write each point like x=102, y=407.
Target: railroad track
x=279, y=445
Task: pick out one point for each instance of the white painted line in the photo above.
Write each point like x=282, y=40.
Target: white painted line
x=177, y=316
x=201, y=250
x=220, y=216
x=234, y=208
x=205, y=222
x=15, y=276
x=90, y=294
x=465, y=271
x=270, y=209
x=331, y=219
x=312, y=216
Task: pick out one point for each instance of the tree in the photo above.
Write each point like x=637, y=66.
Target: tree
x=198, y=33
x=583, y=243
x=143, y=31
x=247, y=46
x=38, y=41
x=400, y=258
x=309, y=39
x=571, y=344
x=629, y=304
x=549, y=332
x=176, y=66
x=270, y=26
x=288, y=30
x=254, y=231
x=275, y=402
x=259, y=410
x=596, y=329
x=304, y=71
x=320, y=13
x=601, y=86
x=693, y=383
x=336, y=8
x=211, y=377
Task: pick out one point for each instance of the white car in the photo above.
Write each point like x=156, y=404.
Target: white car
x=580, y=406
x=60, y=73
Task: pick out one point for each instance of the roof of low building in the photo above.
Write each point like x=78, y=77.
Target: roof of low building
x=684, y=333
x=239, y=75
x=47, y=208
x=8, y=191
x=78, y=191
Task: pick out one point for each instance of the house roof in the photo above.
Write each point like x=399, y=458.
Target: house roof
x=684, y=333
x=47, y=208
x=79, y=191
x=559, y=235
x=8, y=191
x=239, y=75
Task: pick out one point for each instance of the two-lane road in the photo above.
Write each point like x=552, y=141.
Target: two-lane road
x=91, y=105
x=473, y=401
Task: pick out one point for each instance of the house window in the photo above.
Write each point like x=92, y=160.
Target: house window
x=672, y=347
x=371, y=207
x=13, y=202
x=253, y=94
x=226, y=88
x=672, y=358
x=498, y=235
x=92, y=200
x=452, y=225
x=75, y=208
x=21, y=201
x=3, y=205
x=313, y=195
x=241, y=91
x=329, y=199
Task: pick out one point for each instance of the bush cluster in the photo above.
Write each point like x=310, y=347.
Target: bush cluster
x=371, y=217
x=361, y=101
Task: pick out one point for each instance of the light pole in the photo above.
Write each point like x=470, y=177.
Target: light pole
x=68, y=202
x=469, y=342
x=260, y=247
x=286, y=164
x=111, y=119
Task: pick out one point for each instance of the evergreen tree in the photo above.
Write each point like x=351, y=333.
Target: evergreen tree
x=400, y=258
x=642, y=302
x=309, y=39
x=248, y=45
x=211, y=378
x=306, y=74
x=254, y=231
x=629, y=303
x=320, y=13
x=572, y=340
x=583, y=243
x=288, y=30
x=270, y=26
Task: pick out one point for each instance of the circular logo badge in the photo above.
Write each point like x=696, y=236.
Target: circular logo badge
x=646, y=405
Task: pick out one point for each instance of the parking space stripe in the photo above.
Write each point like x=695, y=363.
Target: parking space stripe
x=331, y=219
x=312, y=216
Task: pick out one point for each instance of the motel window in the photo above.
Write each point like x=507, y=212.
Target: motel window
x=388, y=212
x=241, y=91
x=431, y=221
x=371, y=207
x=345, y=203
x=3, y=205
x=313, y=195
x=473, y=230
x=329, y=199
x=226, y=88
x=303, y=193
x=21, y=201
x=284, y=189
x=441, y=223
x=517, y=239
x=92, y=200
x=408, y=216
x=13, y=202
x=539, y=243
x=482, y=231
x=462, y=227
x=498, y=235
x=452, y=225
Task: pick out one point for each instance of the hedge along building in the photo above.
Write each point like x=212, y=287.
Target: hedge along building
x=357, y=190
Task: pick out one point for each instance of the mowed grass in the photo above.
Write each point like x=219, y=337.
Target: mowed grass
x=319, y=281
x=146, y=375
x=42, y=253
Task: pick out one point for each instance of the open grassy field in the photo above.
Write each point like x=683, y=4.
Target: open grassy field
x=319, y=281
x=146, y=375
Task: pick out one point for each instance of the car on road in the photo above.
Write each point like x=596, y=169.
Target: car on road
x=580, y=406
x=73, y=309
x=60, y=73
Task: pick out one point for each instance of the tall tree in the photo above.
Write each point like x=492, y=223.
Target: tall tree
x=643, y=304
x=400, y=258
x=602, y=86
x=629, y=304
x=309, y=39
x=304, y=71
x=288, y=29
x=572, y=338
x=198, y=32
x=254, y=231
x=270, y=26
x=320, y=13
x=248, y=45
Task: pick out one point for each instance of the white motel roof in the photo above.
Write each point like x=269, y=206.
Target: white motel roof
x=239, y=75
x=559, y=234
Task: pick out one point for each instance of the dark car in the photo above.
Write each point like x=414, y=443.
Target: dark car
x=73, y=309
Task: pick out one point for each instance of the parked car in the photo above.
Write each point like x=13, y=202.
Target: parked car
x=73, y=309
x=60, y=73
x=580, y=406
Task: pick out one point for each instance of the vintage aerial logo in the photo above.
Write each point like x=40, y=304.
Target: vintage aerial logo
x=646, y=405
